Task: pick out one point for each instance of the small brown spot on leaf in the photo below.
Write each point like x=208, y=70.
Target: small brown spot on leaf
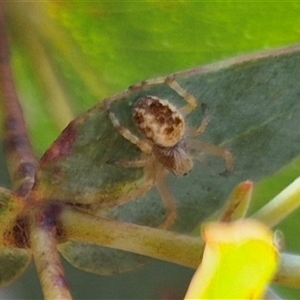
x=62, y=147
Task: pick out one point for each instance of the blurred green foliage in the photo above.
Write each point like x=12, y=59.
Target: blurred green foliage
x=70, y=55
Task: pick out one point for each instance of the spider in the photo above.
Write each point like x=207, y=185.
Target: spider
x=167, y=141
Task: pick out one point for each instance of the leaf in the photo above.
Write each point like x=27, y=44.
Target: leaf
x=237, y=204
x=13, y=260
x=252, y=100
x=80, y=168
x=239, y=261
x=100, y=260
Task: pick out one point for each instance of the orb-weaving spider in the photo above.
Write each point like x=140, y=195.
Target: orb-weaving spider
x=167, y=140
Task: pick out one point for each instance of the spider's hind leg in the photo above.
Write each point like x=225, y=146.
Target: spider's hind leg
x=168, y=200
x=214, y=150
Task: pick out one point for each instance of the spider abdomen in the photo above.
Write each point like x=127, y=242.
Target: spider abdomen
x=159, y=121
x=176, y=159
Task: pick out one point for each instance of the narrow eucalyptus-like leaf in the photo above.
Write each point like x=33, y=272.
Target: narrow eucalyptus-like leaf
x=237, y=204
x=13, y=262
x=254, y=104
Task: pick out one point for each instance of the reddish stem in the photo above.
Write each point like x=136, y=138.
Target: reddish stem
x=22, y=166
x=22, y=163
x=47, y=259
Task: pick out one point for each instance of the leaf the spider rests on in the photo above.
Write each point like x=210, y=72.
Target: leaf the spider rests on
x=13, y=260
x=254, y=104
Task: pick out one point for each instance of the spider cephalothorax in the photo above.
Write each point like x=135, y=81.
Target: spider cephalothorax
x=166, y=141
x=159, y=121
x=164, y=126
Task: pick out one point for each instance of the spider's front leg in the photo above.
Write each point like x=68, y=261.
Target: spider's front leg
x=192, y=102
x=190, y=107
x=128, y=135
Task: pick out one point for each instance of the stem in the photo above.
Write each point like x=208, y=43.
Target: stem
x=22, y=166
x=46, y=256
x=289, y=271
x=156, y=243
x=281, y=206
x=22, y=163
x=271, y=295
x=160, y=244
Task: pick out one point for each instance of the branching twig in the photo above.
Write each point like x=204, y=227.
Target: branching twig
x=47, y=260
x=169, y=246
x=156, y=243
x=289, y=272
x=22, y=166
x=22, y=163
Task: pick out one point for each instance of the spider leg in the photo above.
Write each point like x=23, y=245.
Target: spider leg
x=143, y=145
x=139, y=163
x=192, y=102
x=191, y=106
x=168, y=200
x=131, y=195
x=202, y=128
x=142, y=186
x=215, y=151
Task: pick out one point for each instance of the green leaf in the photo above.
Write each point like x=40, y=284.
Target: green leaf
x=100, y=260
x=237, y=204
x=254, y=106
x=13, y=262
x=249, y=102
